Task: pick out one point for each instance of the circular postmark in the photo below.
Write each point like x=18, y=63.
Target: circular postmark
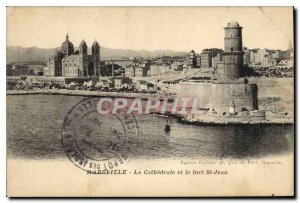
x=94, y=141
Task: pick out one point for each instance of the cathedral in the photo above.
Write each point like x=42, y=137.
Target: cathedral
x=70, y=63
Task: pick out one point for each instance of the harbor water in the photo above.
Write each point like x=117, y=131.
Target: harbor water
x=34, y=127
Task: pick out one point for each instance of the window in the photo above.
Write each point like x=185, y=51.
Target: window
x=231, y=49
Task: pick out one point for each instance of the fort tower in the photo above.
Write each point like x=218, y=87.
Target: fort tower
x=230, y=87
x=232, y=65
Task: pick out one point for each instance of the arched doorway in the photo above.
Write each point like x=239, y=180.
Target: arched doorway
x=91, y=69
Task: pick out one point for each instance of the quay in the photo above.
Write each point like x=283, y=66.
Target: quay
x=86, y=93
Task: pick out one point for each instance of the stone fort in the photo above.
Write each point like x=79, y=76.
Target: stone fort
x=230, y=92
x=70, y=63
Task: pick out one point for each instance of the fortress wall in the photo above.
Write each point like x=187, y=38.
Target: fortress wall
x=274, y=87
x=193, y=90
x=219, y=96
x=267, y=88
x=243, y=95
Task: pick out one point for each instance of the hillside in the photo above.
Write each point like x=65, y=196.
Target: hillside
x=17, y=53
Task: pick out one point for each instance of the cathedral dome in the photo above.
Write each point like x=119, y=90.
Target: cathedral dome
x=233, y=24
x=67, y=47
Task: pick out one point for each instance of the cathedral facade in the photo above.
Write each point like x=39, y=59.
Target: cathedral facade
x=70, y=63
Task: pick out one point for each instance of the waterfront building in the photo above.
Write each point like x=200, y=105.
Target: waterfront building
x=105, y=83
x=141, y=85
x=141, y=71
x=252, y=56
x=57, y=80
x=177, y=65
x=137, y=70
x=265, y=58
x=247, y=56
x=122, y=82
x=216, y=59
x=130, y=71
x=192, y=59
x=206, y=59
x=17, y=70
x=158, y=69
x=121, y=62
x=207, y=56
x=198, y=59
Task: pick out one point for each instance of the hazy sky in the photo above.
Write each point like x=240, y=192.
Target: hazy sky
x=149, y=28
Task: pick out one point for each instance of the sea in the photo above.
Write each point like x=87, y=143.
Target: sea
x=34, y=131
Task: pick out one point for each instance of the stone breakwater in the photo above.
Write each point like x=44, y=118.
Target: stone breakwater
x=86, y=93
x=271, y=118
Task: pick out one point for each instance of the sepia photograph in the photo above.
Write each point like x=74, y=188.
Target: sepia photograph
x=150, y=101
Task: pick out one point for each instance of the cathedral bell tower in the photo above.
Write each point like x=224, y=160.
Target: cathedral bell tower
x=96, y=58
x=83, y=48
x=95, y=49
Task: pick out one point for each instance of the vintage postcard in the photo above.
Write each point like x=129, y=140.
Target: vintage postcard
x=150, y=101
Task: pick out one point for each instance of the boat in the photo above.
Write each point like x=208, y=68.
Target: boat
x=167, y=127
